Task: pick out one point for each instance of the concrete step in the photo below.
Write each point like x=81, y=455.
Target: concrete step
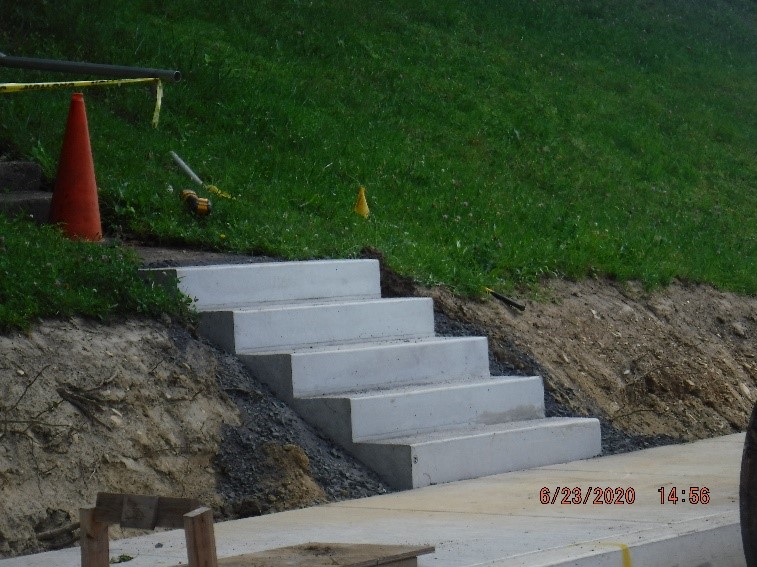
x=361, y=416
x=470, y=452
x=231, y=286
x=31, y=204
x=335, y=369
x=370, y=373
x=21, y=193
x=287, y=326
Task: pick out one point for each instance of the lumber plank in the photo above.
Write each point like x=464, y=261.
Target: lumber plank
x=147, y=512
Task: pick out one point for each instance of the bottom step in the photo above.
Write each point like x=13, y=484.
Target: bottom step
x=472, y=452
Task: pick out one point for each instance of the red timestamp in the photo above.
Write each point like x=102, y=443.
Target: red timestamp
x=590, y=495
x=692, y=495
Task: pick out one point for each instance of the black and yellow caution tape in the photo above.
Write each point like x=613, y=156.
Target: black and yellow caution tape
x=23, y=87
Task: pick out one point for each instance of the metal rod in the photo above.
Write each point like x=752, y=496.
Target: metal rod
x=119, y=71
x=186, y=169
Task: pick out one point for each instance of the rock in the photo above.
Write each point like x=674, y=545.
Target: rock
x=746, y=391
x=739, y=329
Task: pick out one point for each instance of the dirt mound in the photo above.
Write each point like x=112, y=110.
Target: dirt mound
x=89, y=407
x=677, y=362
x=143, y=407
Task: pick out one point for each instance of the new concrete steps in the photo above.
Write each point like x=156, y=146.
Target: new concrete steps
x=370, y=373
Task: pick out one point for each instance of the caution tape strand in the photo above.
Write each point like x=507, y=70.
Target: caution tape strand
x=23, y=87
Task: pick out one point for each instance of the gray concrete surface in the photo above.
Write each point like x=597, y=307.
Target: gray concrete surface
x=354, y=367
x=499, y=521
x=220, y=287
x=265, y=327
x=370, y=373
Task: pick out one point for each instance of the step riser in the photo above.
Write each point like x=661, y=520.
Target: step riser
x=409, y=413
x=287, y=327
x=317, y=373
x=217, y=286
x=452, y=460
x=502, y=403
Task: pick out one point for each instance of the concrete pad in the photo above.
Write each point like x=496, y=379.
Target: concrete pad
x=499, y=521
x=225, y=286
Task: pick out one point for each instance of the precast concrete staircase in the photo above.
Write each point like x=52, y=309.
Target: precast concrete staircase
x=369, y=372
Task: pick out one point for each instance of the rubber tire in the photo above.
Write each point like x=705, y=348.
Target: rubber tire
x=748, y=492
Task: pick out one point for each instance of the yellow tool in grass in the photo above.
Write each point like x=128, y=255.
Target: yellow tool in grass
x=193, y=176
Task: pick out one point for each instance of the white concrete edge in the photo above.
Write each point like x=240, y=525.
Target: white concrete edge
x=713, y=541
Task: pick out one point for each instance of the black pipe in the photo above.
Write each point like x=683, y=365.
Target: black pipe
x=119, y=71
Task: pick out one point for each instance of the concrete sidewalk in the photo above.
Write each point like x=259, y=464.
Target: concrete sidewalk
x=499, y=521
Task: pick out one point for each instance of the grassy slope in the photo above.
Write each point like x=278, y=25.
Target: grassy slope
x=498, y=141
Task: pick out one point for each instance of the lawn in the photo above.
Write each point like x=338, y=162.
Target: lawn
x=499, y=142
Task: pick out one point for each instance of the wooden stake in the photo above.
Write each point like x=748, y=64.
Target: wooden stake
x=201, y=541
x=95, y=548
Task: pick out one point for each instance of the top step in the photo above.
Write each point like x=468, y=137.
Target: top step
x=237, y=285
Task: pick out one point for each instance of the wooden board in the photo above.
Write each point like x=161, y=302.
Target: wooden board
x=330, y=555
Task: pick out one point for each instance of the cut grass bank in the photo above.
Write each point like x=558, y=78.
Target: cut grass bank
x=498, y=142
x=45, y=275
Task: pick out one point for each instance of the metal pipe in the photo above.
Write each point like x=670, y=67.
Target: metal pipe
x=120, y=71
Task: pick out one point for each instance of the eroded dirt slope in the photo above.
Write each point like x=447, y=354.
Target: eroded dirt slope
x=144, y=407
x=677, y=362
x=87, y=407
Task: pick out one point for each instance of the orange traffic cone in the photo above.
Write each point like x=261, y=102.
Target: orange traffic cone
x=361, y=205
x=74, y=205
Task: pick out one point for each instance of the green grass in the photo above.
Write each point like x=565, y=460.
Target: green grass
x=499, y=142
x=44, y=275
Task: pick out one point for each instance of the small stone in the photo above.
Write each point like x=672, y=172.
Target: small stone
x=746, y=391
x=739, y=329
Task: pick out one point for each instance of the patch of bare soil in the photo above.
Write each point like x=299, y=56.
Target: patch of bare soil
x=145, y=407
x=677, y=362
x=86, y=407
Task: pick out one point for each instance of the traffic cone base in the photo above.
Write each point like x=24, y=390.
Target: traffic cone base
x=74, y=205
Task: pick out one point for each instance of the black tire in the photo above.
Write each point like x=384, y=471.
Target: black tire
x=748, y=492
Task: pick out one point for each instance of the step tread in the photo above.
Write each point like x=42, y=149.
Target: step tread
x=289, y=304
x=477, y=430
x=362, y=344
x=429, y=387
x=268, y=265
x=243, y=306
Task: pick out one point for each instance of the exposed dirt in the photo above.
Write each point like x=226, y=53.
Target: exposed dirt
x=678, y=362
x=143, y=406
